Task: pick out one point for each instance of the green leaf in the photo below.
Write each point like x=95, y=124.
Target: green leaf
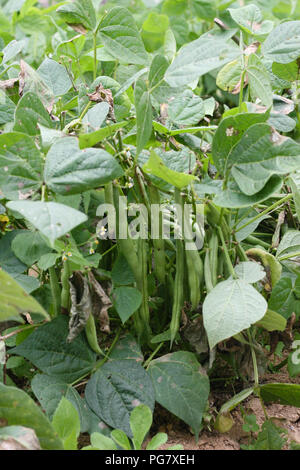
x=55, y=76
x=127, y=301
x=20, y=165
x=259, y=81
x=67, y=424
x=8, y=261
x=157, y=441
x=209, y=52
x=230, y=131
x=49, y=392
x=230, y=75
x=47, y=349
x=143, y=114
x=234, y=198
x=52, y=219
x=29, y=247
x=79, y=12
x=231, y=307
x=187, y=109
x=154, y=29
x=122, y=274
x=100, y=442
x=156, y=167
x=121, y=37
x=7, y=108
x=250, y=272
x=283, y=298
x=236, y=400
x=48, y=260
x=288, y=72
x=14, y=300
x=140, y=424
x=121, y=439
x=93, y=138
x=249, y=18
x=31, y=81
x=272, y=321
x=285, y=394
x=29, y=113
x=294, y=182
x=289, y=245
x=17, y=408
x=270, y=437
x=283, y=43
x=69, y=170
x=181, y=387
x=123, y=384
x=127, y=348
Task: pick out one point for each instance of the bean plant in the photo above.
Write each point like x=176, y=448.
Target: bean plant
x=149, y=214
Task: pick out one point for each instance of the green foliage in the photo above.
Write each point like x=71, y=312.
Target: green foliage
x=114, y=118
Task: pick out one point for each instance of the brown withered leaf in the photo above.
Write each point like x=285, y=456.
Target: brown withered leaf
x=252, y=48
x=101, y=304
x=29, y=80
x=7, y=84
x=18, y=438
x=79, y=28
x=103, y=94
x=81, y=304
x=237, y=88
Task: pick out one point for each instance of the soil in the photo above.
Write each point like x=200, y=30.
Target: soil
x=287, y=417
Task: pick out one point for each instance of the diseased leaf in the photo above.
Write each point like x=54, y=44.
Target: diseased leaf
x=181, y=387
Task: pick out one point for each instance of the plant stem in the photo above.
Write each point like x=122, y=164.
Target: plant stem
x=265, y=212
x=147, y=363
x=227, y=257
x=105, y=359
x=95, y=54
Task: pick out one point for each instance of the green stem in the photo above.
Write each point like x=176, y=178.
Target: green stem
x=105, y=359
x=55, y=290
x=95, y=54
x=290, y=255
x=147, y=363
x=227, y=257
x=265, y=212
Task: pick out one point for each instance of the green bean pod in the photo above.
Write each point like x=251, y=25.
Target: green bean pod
x=179, y=278
x=55, y=290
x=195, y=275
x=65, y=293
x=91, y=334
x=213, y=255
x=158, y=244
x=207, y=272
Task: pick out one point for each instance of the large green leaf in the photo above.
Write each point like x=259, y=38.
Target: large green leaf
x=258, y=155
x=229, y=133
x=231, y=307
x=29, y=247
x=29, y=113
x=121, y=37
x=143, y=114
x=234, y=198
x=69, y=170
x=283, y=43
x=55, y=76
x=47, y=348
x=249, y=18
x=284, y=298
x=285, y=394
x=259, y=81
x=201, y=56
x=50, y=390
x=8, y=261
x=181, y=387
x=52, y=219
x=20, y=165
x=14, y=300
x=17, y=408
x=79, y=12
x=124, y=384
x=187, y=109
